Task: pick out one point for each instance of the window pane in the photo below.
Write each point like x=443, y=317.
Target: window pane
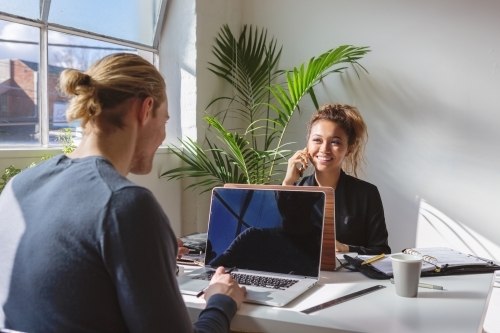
x=25, y=8
x=68, y=51
x=131, y=20
x=19, y=57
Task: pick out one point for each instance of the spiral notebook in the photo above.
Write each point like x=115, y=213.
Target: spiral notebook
x=438, y=261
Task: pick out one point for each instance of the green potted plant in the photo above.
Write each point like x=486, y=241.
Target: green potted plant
x=252, y=153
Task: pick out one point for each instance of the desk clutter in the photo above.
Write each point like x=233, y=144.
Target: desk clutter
x=436, y=261
x=196, y=243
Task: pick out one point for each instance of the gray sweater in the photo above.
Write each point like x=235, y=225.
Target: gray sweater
x=85, y=250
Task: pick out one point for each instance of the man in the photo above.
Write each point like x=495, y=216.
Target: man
x=83, y=248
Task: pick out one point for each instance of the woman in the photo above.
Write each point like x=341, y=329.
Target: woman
x=336, y=139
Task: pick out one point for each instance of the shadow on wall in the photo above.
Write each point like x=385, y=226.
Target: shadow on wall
x=436, y=229
x=426, y=143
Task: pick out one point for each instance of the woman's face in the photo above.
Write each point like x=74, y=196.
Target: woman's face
x=327, y=146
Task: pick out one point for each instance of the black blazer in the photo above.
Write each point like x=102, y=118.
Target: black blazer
x=359, y=215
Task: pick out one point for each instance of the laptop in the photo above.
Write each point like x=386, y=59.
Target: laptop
x=271, y=239
x=328, y=260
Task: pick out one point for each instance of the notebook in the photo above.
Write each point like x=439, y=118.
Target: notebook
x=437, y=260
x=272, y=238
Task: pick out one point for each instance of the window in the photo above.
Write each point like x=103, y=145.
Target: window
x=19, y=58
x=25, y=8
x=40, y=38
x=131, y=20
x=134, y=21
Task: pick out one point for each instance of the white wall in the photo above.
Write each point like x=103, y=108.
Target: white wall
x=210, y=16
x=177, y=55
x=430, y=101
x=186, y=43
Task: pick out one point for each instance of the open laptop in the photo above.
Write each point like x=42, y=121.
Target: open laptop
x=271, y=238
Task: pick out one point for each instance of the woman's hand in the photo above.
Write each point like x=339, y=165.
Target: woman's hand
x=339, y=247
x=293, y=173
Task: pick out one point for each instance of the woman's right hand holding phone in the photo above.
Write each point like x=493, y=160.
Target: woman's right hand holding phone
x=296, y=166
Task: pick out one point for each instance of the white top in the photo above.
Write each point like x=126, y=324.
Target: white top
x=460, y=307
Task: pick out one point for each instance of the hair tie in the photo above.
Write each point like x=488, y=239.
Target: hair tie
x=86, y=80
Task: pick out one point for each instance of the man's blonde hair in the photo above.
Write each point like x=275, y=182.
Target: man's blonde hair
x=108, y=83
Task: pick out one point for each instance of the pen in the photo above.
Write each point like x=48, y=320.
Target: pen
x=204, y=289
x=425, y=285
x=488, y=261
x=369, y=261
x=230, y=270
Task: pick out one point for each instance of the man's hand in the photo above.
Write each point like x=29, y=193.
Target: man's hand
x=223, y=283
x=181, y=249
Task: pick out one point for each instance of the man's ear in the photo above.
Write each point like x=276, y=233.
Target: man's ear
x=146, y=110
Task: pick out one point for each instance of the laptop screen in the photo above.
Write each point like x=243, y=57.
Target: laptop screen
x=266, y=230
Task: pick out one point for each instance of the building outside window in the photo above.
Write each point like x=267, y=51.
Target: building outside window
x=4, y=105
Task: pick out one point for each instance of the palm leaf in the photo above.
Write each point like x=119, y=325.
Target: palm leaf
x=248, y=65
x=216, y=170
x=253, y=151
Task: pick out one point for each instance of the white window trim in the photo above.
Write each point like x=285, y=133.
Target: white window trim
x=83, y=33
x=37, y=152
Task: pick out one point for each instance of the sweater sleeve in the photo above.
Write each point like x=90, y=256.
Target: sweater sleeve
x=139, y=250
x=216, y=317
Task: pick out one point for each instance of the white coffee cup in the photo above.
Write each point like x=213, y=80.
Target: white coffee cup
x=406, y=269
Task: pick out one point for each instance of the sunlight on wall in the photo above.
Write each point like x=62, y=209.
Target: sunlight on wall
x=188, y=105
x=436, y=229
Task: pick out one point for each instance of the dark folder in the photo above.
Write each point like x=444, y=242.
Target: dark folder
x=434, y=266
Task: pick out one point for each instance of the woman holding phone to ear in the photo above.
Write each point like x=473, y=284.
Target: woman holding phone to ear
x=336, y=139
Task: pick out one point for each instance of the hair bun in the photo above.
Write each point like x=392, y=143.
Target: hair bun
x=71, y=81
x=108, y=83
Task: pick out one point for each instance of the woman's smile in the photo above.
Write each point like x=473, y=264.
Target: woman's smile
x=324, y=159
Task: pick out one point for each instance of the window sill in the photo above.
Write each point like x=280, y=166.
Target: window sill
x=20, y=152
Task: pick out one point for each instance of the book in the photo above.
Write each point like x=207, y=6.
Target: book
x=435, y=259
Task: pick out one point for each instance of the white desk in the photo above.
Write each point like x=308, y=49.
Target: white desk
x=460, y=307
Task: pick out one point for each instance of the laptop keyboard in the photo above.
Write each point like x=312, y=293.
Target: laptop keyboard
x=254, y=280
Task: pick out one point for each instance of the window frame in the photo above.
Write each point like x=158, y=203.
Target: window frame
x=43, y=68
x=3, y=104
